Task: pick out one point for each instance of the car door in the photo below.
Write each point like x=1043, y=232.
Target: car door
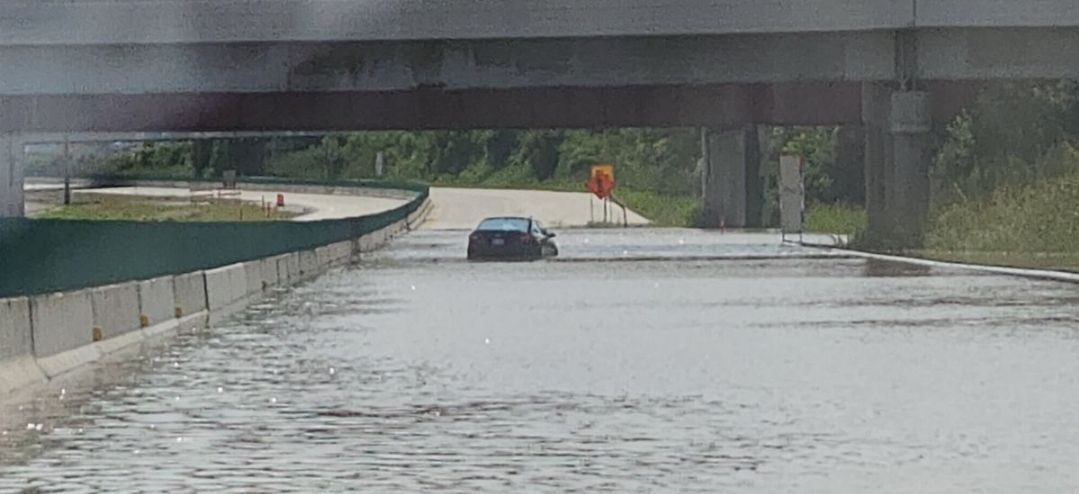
x=537, y=232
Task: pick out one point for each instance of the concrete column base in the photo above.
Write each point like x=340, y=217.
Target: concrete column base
x=897, y=159
x=12, y=202
x=850, y=163
x=733, y=192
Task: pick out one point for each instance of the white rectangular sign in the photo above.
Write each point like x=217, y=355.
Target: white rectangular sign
x=791, y=193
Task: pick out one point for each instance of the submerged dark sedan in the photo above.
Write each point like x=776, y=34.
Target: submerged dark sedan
x=511, y=238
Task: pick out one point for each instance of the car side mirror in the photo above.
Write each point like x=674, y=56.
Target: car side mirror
x=550, y=234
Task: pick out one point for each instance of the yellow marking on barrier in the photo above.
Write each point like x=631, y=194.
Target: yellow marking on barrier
x=179, y=312
x=96, y=335
x=144, y=321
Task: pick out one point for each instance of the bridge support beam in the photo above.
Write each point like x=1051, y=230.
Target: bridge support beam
x=732, y=187
x=12, y=201
x=897, y=158
x=850, y=163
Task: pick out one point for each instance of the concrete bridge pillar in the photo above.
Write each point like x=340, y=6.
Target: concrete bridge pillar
x=12, y=203
x=850, y=162
x=897, y=158
x=733, y=191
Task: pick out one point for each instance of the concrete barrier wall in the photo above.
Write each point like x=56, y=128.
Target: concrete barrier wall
x=45, y=335
x=17, y=365
x=190, y=292
x=225, y=286
x=61, y=322
x=309, y=266
x=366, y=243
x=157, y=301
x=253, y=277
x=417, y=217
x=342, y=252
x=15, y=339
x=269, y=270
x=62, y=328
x=295, y=273
x=336, y=254
x=116, y=310
x=376, y=240
x=324, y=256
x=288, y=268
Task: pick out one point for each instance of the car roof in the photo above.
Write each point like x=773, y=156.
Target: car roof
x=507, y=218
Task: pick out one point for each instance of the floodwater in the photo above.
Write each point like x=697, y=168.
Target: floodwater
x=642, y=361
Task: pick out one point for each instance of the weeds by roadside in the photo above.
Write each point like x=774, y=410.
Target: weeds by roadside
x=840, y=219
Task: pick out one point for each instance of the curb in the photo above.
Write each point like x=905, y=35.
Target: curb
x=1039, y=274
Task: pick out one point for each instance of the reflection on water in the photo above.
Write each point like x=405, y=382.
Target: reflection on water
x=416, y=372
x=886, y=269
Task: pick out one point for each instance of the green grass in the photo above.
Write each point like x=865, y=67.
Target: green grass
x=1058, y=261
x=1037, y=219
x=662, y=209
x=1029, y=226
x=137, y=208
x=841, y=219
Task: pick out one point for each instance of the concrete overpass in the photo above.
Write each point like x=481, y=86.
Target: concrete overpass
x=887, y=66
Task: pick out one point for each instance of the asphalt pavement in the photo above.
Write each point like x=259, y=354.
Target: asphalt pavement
x=456, y=209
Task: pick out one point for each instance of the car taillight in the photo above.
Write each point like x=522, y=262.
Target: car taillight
x=526, y=239
x=475, y=237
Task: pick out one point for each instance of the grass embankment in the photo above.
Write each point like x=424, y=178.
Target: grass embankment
x=139, y=208
x=661, y=209
x=1033, y=226
x=840, y=219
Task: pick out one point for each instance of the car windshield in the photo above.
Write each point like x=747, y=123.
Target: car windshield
x=504, y=225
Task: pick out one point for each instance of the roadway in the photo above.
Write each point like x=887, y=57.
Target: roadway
x=463, y=208
x=453, y=208
x=641, y=360
x=645, y=360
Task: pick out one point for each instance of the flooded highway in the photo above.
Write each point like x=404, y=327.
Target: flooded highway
x=640, y=361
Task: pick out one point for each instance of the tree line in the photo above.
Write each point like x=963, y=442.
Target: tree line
x=1015, y=133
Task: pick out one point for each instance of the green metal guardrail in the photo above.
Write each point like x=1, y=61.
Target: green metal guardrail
x=41, y=256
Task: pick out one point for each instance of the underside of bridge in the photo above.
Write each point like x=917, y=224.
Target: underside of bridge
x=884, y=69
x=894, y=127
x=714, y=106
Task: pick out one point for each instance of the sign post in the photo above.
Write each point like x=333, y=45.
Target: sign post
x=791, y=195
x=601, y=184
x=379, y=163
x=67, y=172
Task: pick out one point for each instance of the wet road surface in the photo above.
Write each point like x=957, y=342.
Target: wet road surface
x=776, y=370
